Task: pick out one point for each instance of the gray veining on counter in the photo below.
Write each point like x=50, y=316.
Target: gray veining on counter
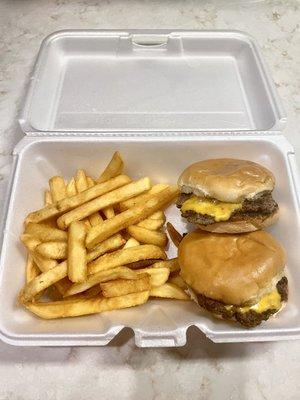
x=201, y=369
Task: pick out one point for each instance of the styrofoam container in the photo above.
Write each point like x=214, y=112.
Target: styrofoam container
x=164, y=100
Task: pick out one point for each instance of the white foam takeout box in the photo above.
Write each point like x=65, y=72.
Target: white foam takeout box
x=164, y=99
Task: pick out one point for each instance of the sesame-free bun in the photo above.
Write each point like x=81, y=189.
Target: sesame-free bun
x=226, y=179
x=234, y=269
x=245, y=225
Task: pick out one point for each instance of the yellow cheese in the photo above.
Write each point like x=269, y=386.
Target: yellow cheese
x=219, y=211
x=271, y=301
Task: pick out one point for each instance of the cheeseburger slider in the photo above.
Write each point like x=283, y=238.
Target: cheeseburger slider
x=235, y=277
x=227, y=195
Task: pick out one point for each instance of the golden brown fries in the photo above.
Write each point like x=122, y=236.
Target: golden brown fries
x=178, y=281
x=77, y=259
x=121, y=287
x=48, y=198
x=71, y=188
x=125, y=205
x=131, y=242
x=53, y=250
x=126, y=256
x=46, y=233
x=174, y=234
x=109, y=212
x=169, y=291
x=43, y=281
x=114, y=168
x=103, y=201
x=68, y=203
x=158, y=276
x=108, y=245
x=57, y=188
x=99, y=245
x=32, y=270
x=130, y=217
x=102, y=276
x=172, y=265
x=147, y=236
x=77, y=307
x=152, y=224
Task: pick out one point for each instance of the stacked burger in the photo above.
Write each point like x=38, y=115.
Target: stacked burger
x=233, y=269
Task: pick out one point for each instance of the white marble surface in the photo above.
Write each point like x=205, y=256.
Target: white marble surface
x=201, y=369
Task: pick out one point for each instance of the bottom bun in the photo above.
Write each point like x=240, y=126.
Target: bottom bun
x=245, y=225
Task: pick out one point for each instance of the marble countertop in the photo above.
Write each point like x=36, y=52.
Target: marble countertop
x=200, y=369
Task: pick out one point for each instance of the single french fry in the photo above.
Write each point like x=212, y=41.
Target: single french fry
x=71, y=188
x=131, y=242
x=77, y=307
x=172, y=265
x=158, y=276
x=147, y=236
x=57, y=188
x=174, y=234
x=45, y=233
x=130, y=217
x=42, y=282
x=109, y=212
x=121, y=287
x=53, y=250
x=81, y=181
x=110, y=244
x=29, y=241
x=32, y=270
x=77, y=259
x=69, y=203
x=151, y=224
x=90, y=181
x=102, y=276
x=87, y=294
x=125, y=256
x=160, y=215
x=44, y=264
x=178, y=281
x=95, y=219
x=114, y=168
x=125, y=205
x=104, y=201
x=169, y=291
x=47, y=198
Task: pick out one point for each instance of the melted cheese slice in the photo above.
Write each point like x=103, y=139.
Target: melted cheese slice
x=219, y=211
x=271, y=301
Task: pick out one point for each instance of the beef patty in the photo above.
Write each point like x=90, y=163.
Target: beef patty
x=262, y=205
x=251, y=318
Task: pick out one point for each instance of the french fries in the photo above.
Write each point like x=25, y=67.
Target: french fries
x=114, y=168
x=69, y=203
x=144, y=235
x=46, y=233
x=169, y=291
x=174, y=234
x=98, y=245
x=130, y=217
x=102, y=276
x=57, y=188
x=121, y=287
x=104, y=201
x=32, y=270
x=53, y=250
x=126, y=256
x=77, y=307
x=77, y=259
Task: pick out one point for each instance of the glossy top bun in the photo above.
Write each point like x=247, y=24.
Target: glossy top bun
x=233, y=269
x=226, y=179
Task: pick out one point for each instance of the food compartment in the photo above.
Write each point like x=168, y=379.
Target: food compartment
x=159, y=322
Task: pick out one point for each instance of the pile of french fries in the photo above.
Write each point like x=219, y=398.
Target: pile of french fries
x=99, y=245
